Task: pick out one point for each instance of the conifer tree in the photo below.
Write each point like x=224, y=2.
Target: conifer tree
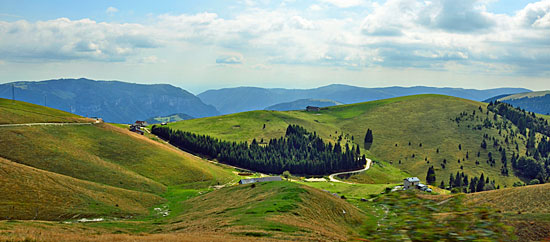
x=480, y=183
x=368, y=136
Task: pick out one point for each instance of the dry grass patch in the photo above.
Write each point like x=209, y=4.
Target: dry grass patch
x=43, y=231
x=527, y=199
x=30, y=193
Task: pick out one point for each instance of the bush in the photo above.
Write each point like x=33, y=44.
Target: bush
x=534, y=182
x=286, y=174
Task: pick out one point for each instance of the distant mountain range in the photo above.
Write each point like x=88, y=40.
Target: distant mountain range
x=538, y=102
x=240, y=99
x=302, y=104
x=122, y=102
x=114, y=101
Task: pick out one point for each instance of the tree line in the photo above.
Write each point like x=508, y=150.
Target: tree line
x=535, y=165
x=299, y=152
x=461, y=183
x=521, y=118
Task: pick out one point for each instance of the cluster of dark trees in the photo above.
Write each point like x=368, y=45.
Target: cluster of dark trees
x=521, y=118
x=430, y=177
x=299, y=152
x=461, y=183
x=536, y=162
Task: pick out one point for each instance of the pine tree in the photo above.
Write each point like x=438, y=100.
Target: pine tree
x=430, y=177
x=480, y=184
x=368, y=136
x=473, y=184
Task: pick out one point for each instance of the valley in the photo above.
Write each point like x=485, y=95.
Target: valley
x=141, y=186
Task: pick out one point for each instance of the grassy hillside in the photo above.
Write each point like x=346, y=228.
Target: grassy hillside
x=15, y=112
x=282, y=210
x=105, y=154
x=30, y=193
x=106, y=165
x=428, y=122
x=525, y=208
x=271, y=211
x=535, y=199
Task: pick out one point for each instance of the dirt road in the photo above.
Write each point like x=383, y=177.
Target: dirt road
x=332, y=179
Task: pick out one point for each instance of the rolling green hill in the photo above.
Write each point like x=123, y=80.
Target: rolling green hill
x=103, y=163
x=526, y=208
x=30, y=193
x=411, y=133
x=15, y=112
x=280, y=210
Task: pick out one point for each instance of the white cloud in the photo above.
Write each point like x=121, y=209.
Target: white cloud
x=149, y=60
x=535, y=15
x=64, y=39
x=230, y=58
x=111, y=10
x=344, y=3
x=315, y=7
x=261, y=67
x=397, y=33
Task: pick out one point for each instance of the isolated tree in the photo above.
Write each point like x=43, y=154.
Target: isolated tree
x=430, y=177
x=442, y=185
x=368, y=136
x=459, y=146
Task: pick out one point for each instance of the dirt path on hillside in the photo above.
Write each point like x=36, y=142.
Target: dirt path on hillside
x=332, y=179
x=43, y=124
x=47, y=124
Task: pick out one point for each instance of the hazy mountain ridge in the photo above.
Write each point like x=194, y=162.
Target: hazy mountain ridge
x=538, y=102
x=240, y=99
x=114, y=101
x=302, y=104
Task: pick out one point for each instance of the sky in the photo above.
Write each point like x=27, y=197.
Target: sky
x=201, y=45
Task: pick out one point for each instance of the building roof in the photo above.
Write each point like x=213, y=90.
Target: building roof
x=261, y=179
x=412, y=179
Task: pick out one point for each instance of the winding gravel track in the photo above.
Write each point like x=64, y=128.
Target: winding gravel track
x=332, y=179
x=47, y=124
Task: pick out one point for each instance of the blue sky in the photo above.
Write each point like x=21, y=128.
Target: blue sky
x=198, y=45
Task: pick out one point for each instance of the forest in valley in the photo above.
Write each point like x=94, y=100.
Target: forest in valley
x=299, y=152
